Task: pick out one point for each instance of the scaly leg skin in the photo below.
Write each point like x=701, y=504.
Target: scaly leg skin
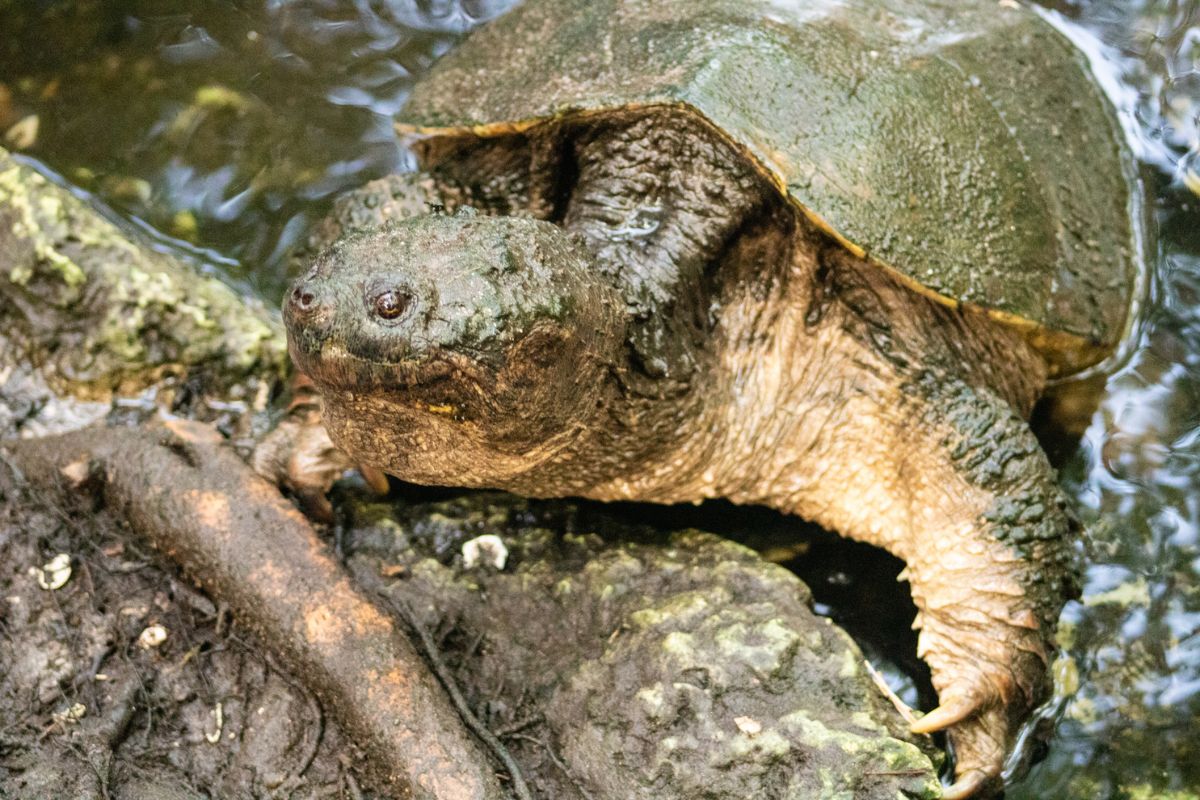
x=990, y=562
x=298, y=456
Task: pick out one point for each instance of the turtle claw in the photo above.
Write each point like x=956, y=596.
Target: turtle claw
x=988, y=658
x=980, y=745
x=949, y=713
x=966, y=785
x=299, y=456
x=985, y=697
x=969, y=723
x=980, y=728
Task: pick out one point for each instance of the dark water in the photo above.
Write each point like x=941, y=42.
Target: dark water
x=227, y=125
x=230, y=126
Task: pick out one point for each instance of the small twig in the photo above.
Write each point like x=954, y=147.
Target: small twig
x=115, y=726
x=557, y=762
x=103, y=775
x=222, y=616
x=310, y=754
x=339, y=540
x=348, y=777
x=901, y=706
x=312, y=742
x=88, y=675
x=434, y=655
x=17, y=474
x=313, y=745
x=519, y=725
x=126, y=568
x=890, y=772
x=470, y=651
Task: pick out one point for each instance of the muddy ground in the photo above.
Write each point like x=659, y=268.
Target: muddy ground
x=93, y=707
x=127, y=682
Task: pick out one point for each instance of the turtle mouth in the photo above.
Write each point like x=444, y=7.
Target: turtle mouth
x=440, y=375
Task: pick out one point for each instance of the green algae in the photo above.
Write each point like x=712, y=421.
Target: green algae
x=103, y=312
x=681, y=667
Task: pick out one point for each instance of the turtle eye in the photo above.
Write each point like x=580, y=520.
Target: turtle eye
x=391, y=304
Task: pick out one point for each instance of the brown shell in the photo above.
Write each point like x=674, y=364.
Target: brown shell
x=964, y=146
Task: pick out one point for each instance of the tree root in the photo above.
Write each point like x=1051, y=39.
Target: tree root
x=233, y=533
x=434, y=654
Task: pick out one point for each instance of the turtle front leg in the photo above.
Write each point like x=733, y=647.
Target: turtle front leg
x=990, y=562
x=950, y=479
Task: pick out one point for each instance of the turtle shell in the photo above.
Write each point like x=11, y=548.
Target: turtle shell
x=962, y=145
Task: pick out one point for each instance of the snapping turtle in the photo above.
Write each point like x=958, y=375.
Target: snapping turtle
x=817, y=256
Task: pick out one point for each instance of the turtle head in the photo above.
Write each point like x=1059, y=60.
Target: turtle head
x=455, y=349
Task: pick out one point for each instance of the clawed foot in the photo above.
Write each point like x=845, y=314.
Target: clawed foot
x=988, y=681
x=979, y=736
x=299, y=456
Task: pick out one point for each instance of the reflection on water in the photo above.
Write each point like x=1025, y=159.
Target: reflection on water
x=232, y=125
x=228, y=125
x=1133, y=642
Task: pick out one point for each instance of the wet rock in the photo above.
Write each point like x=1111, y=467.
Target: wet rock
x=90, y=311
x=669, y=667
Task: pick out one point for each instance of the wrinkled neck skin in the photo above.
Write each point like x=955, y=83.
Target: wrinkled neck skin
x=467, y=455
x=610, y=428
x=816, y=386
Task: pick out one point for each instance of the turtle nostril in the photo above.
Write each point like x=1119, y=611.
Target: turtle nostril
x=303, y=299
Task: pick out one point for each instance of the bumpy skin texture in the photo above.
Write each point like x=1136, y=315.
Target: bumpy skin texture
x=704, y=341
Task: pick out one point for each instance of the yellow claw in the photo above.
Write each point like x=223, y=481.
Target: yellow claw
x=966, y=785
x=945, y=715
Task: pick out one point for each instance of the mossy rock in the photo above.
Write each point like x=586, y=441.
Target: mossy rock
x=108, y=312
x=671, y=667
x=91, y=310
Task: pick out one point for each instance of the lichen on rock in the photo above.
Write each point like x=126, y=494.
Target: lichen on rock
x=121, y=310
x=90, y=312
x=682, y=668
